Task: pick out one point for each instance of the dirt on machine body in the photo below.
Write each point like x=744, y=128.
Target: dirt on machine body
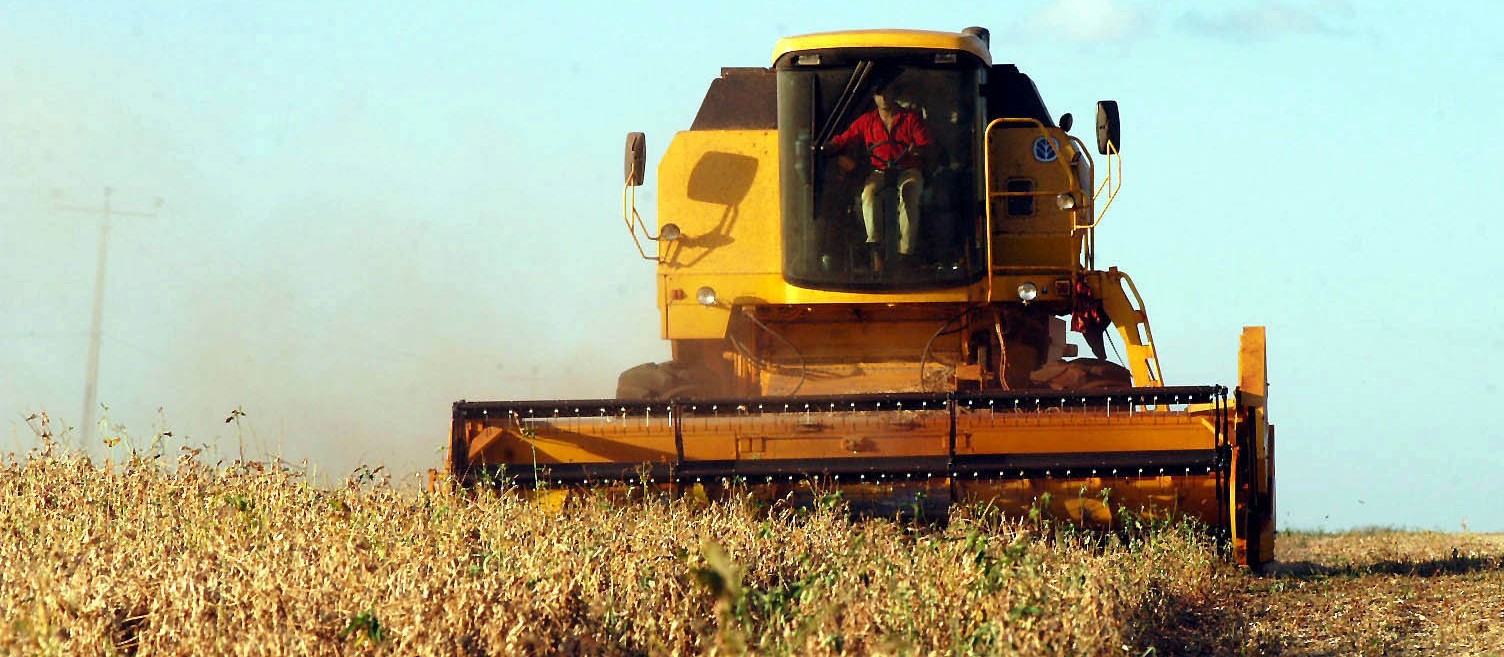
x=869, y=257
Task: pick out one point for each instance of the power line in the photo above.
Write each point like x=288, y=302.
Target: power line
x=91, y=375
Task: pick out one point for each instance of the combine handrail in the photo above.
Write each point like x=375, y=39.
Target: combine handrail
x=1107, y=182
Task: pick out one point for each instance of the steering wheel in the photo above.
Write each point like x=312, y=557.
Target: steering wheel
x=888, y=163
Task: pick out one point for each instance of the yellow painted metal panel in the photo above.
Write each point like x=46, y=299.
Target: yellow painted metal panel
x=687, y=319
x=1047, y=435
x=1058, y=253
x=817, y=435
x=1098, y=501
x=1253, y=399
x=770, y=288
x=721, y=188
x=1045, y=237
x=794, y=294
x=609, y=439
x=1253, y=378
x=824, y=434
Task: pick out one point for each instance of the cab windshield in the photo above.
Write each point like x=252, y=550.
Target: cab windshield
x=879, y=163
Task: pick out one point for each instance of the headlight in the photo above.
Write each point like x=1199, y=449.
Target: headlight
x=1066, y=201
x=670, y=232
x=706, y=296
x=1027, y=292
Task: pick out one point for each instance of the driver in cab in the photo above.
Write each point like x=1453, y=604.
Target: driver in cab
x=895, y=139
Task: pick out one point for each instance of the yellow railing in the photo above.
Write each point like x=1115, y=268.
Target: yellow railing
x=1110, y=183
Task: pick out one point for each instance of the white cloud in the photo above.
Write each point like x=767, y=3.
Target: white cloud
x=1088, y=20
x=1267, y=19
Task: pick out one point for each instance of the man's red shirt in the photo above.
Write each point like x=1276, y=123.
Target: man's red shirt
x=908, y=132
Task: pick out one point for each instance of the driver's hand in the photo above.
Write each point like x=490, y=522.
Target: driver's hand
x=847, y=164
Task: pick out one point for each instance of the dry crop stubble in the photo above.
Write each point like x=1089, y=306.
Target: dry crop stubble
x=1382, y=592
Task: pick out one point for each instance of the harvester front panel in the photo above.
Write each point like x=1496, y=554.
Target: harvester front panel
x=1159, y=451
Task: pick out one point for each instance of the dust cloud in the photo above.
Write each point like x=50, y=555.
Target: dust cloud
x=332, y=275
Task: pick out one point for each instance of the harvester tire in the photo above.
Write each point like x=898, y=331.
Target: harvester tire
x=1081, y=374
x=659, y=381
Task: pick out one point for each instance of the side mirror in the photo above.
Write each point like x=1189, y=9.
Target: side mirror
x=1066, y=121
x=1109, y=128
x=637, y=156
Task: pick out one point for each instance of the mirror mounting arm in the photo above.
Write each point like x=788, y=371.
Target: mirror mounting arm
x=636, y=169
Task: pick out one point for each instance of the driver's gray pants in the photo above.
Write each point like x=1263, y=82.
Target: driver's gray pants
x=910, y=187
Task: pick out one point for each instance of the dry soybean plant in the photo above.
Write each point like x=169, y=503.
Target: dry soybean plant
x=163, y=555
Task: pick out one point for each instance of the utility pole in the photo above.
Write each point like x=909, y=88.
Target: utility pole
x=91, y=376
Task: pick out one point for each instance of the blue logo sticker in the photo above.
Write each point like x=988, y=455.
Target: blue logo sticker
x=1045, y=150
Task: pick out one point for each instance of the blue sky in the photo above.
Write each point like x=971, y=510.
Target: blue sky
x=372, y=211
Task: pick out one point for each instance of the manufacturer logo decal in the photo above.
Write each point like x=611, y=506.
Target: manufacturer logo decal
x=1045, y=150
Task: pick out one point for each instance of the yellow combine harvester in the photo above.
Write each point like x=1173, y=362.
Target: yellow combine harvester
x=866, y=256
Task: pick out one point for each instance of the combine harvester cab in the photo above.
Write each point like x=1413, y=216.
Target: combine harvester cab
x=867, y=257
